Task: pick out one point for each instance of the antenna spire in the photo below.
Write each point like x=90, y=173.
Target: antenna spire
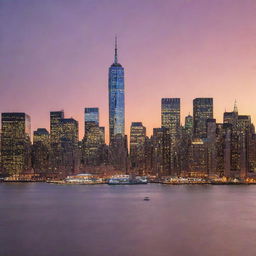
x=116, y=61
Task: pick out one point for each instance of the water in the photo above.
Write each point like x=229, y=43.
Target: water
x=46, y=219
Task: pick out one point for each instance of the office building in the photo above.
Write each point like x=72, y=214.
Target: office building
x=137, y=147
x=15, y=143
x=202, y=110
x=116, y=98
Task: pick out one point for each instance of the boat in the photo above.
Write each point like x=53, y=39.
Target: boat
x=146, y=198
x=184, y=181
x=119, y=180
x=127, y=180
x=80, y=179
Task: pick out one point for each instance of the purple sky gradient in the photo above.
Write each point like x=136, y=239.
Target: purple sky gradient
x=55, y=54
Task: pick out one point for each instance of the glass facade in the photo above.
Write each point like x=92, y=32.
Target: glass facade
x=15, y=143
x=55, y=128
x=116, y=99
x=41, y=151
x=202, y=110
x=70, y=156
x=137, y=145
x=170, y=114
x=41, y=135
x=91, y=118
x=94, y=138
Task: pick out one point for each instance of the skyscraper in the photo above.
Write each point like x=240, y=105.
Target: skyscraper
x=211, y=147
x=116, y=98
x=55, y=136
x=41, y=152
x=240, y=140
x=198, y=157
x=91, y=118
x=161, y=151
x=170, y=116
x=202, y=110
x=15, y=143
x=70, y=157
x=55, y=127
x=137, y=146
x=94, y=138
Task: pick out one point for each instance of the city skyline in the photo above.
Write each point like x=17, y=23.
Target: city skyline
x=212, y=56
x=127, y=127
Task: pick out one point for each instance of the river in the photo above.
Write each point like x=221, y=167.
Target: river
x=94, y=220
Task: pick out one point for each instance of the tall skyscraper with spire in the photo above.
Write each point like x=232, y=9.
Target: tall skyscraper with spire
x=116, y=98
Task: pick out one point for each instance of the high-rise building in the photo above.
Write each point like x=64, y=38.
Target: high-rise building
x=252, y=152
x=211, y=147
x=15, y=143
x=91, y=118
x=70, y=157
x=137, y=147
x=241, y=132
x=161, y=151
x=183, y=150
x=65, y=155
x=55, y=127
x=41, y=135
x=116, y=98
x=244, y=127
x=198, y=158
x=55, y=140
x=149, y=155
x=202, y=110
x=170, y=114
x=41, y=152
x=94, y=139
x=170, y=117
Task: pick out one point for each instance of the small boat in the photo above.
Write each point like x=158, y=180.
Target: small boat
x=146, y=198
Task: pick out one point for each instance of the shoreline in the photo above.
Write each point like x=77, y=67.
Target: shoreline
x=161, y=183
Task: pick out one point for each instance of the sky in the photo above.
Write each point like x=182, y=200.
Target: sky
x=55, y=54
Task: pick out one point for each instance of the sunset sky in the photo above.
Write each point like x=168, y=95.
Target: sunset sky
x=55, y=54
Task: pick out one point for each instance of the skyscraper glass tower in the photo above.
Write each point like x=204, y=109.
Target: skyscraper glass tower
x=91, y=118
x=170, y=117
x=202, y=110
x=116, y=98
x=170, y=114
